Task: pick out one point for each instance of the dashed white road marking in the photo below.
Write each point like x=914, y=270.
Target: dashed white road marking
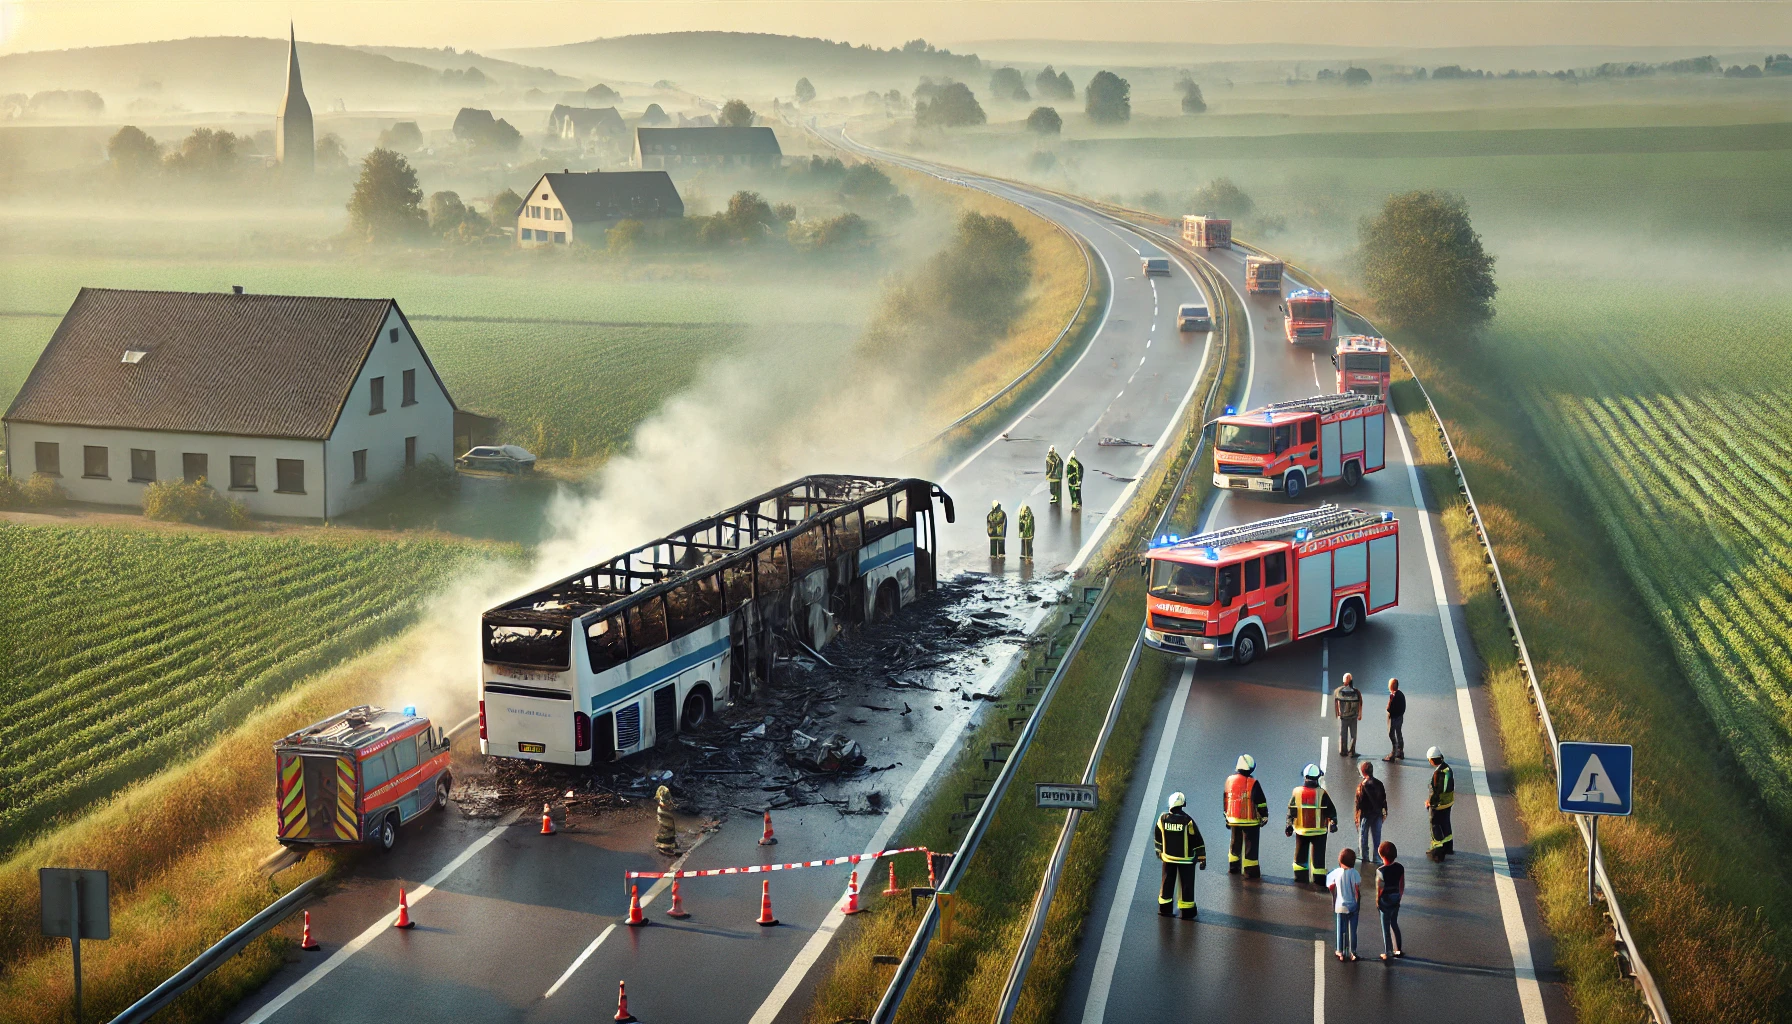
x=1318, y=981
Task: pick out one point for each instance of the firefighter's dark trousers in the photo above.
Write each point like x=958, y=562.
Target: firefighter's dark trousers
x=998, y=547
x=1057, y=490
x=1309, y=858
x=1174, y=874
x=1076, y=495
x=1243, y=855
x=1443, y=839
x=1026, y=548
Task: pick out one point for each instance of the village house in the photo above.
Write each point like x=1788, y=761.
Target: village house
x=579, y=206
x=666, y=148
x=297, y=405
x=587, y=129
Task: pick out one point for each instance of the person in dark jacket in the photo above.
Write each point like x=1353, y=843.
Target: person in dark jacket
x=1180, y=848
x=1387, y=900
x=1396, y=722
x=1371, y=811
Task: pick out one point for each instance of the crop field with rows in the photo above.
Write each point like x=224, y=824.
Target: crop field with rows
x=127, y=649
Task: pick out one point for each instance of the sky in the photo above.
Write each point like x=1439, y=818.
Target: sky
x=495, y=24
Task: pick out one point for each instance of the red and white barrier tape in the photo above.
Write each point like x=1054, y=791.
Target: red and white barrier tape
x=757, y=868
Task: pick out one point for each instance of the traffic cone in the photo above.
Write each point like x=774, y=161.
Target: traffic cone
x=892, y=890
x=547, y=822
x=634, y=906
x=622, y=1013
x=404, y=911
x=852, y=895
x=306, y=942
x=768, y=839
x=677, y=909
x=766, y=920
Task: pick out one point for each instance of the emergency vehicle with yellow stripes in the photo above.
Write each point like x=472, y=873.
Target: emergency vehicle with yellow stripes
x=358, y=775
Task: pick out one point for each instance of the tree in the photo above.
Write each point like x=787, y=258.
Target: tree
x=504, y=207
x=330, y=151
x=601, y=93
x=1356, y=76
x=403, y=136
x=387, y=204
x=1192, y=103
x=1108, y=99
x=736, y=114
x=133, y=152
x=625, y=236
x=1007, y=84
x=1222, y=198
x=1053, y=85
x=205, y=152
x=1423, y=266
x=804, y=91
x=846, y=229
x=654, y=114
x=1045, y=121
x=952, y=106
x=446, y=212
x=867, y=183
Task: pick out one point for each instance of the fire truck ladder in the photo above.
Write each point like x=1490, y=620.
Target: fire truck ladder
x=1322, y=404
x=1324, y=519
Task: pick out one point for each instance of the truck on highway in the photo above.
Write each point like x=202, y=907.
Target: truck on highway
x=1231, y=594
x=1262, y=275
x=1290, y=446
x=1363, y=366
x=1310, y=317
x=357, y=776
x=1207, y=232
x=1192, y=316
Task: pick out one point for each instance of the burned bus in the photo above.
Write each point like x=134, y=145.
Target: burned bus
x=611, y=659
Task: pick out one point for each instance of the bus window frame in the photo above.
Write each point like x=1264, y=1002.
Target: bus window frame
x=641, y=611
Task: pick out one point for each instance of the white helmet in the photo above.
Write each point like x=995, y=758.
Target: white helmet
x=1073, y=453
x=1434, y=754
x=1051, y=447
x=995, y=504
x=1177, y=800
x=1247, y=763
x=1313, y=771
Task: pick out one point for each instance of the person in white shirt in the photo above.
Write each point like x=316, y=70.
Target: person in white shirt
x=1344, y=882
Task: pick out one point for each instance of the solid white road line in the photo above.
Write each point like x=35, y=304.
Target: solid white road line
x=1530, y=994
x=657, y=888
x=1318, y=981
x=1325, y=750
x=580, y=962
x=359, y=942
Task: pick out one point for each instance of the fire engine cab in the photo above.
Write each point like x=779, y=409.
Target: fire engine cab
x=357, y=775
x=1233, y=593
x=1309, y=317
x=1363, y=366
x=1291, y=446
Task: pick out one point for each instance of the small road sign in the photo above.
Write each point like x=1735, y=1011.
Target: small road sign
x=1061, y=795
x=1594, y=778
x=77, y=904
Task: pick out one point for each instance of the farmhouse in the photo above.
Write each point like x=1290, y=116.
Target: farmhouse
x=587, y=128
x=297, y=405
x=581, y=206
x=664, y=148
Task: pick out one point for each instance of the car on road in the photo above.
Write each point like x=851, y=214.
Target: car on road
x=1155, y=266
x=1192, y=316
x=505, y=458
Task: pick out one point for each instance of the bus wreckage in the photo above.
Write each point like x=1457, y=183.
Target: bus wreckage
x=669, y=627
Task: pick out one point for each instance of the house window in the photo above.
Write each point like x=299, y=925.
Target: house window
x=410, y=387
x=559, y=214
x=143, y=465
x=49, y=458
x=379, y=396
x=560, y=236
x=195, y=466
x=544, y=195
x=94, y=460
x=410, y=452
x=361, y=466
x=242, y=472
x=528, y=236
x=289, y=476
x=392, y=335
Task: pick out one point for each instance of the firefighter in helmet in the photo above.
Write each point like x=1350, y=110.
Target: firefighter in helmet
x=1310, y=816
x=1026, y=533
x=1246, y=811
x=1073, y=478
x=1439, y=801
x=1180, y=848
x=997, y=522
x=1054, y=472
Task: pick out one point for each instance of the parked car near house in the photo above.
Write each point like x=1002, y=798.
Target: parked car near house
x=505, y=458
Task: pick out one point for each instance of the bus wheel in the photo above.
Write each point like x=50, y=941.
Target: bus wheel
x=442, y=786
x=1349, y=618
x=1294, y=485
x=888, y=600
x=696, y=709
x=1353, y=474
x=1244, y=649
x=387, y=836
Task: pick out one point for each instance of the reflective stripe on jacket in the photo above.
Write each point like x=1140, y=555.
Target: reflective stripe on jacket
x=1443, y=787
x=1073, y=472
x=1178, y=840
x=1245, y=802
x=1054, y=466
x=1026, y=522
x=1310, y=810
x=998, y=522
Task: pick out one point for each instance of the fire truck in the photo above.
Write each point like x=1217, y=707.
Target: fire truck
x=1233, y=593
x=358, y=775
x=1363, y=365
x=1208, y=232
x=1309, y=317
x=1290, y=446
x=1262, y=274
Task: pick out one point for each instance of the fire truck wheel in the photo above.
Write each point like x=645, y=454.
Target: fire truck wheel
x=442, y=788
x=1295, y=484
x=1349, y=617
x=1353, y=474
x=1244, y=649
x=387, y=836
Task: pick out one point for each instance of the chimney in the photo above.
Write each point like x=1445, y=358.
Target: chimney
x=236, y=289
x=565, y=170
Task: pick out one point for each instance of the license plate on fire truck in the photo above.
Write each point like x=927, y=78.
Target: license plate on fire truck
x=532, y=748
x=1261, y=484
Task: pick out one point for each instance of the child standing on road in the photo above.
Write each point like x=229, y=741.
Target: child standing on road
x=1344, y=882
x=1387, y=900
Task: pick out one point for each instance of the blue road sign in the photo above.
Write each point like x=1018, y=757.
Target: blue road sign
x=1594, y=778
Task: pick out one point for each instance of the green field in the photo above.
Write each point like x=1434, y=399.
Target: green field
x=127, y=649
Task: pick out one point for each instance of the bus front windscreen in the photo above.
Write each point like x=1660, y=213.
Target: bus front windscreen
x=1178, y=581
x=535, y=646
x=1310, y=309
x=1245, y=439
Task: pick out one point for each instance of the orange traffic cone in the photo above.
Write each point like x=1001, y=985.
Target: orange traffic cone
x=634, y=906
x=892, y=890
x=404, y=911
x=622, y=1013
x=677, y=908
x=766, y=920
x=547, y=822
x=768, y=839
x=852, y=895
x=306, y=942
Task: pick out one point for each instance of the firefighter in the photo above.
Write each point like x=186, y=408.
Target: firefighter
x=1180, y=847
x=997, y=521
x=1246, y=811
x=1073, y=476
x=1310, y=816
x=1439, y=801
x=1026, y=533
x=1054, y=472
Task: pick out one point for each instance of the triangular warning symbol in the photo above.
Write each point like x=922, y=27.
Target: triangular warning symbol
x=1594, y=786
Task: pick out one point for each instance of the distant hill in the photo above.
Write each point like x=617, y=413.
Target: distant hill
x=448, y=59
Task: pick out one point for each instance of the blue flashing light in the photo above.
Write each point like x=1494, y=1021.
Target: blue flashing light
x=1174, y=538
x=1301, y=535
x=1213, y=553
x=411, y=710
x=1231, y=410
x=1269, y=417
x=1387, y=517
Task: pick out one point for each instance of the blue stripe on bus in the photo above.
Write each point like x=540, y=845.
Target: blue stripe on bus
x=671, y=668
x=886, y=558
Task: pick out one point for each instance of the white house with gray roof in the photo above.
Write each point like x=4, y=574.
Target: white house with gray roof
x=579, y=206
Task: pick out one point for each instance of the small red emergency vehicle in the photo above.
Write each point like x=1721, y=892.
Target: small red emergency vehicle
x=1310, y=317
x=1262, y=275
x=1207, y=232
x=1363, y=365
x=1233, y=593
x=1291, y=446
x=357, y=775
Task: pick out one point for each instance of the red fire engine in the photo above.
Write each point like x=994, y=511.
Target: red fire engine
x=1262, y=275
x=1232, y=593
x=1290, y=446
x=1207, y=232
x=1309, y=317
x=359, y=774
x=1363, y=365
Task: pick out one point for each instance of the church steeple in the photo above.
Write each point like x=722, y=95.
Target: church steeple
x=294, y=144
